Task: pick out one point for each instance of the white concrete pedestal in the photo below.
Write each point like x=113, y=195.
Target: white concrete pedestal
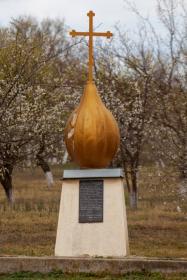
x=108, y=238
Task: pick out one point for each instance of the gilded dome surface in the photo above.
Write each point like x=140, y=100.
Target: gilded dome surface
x=92, y=134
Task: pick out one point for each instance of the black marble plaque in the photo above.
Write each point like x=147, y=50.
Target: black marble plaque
x=90, y=201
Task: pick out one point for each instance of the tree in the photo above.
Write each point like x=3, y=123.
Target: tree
x=125, y=80
x=167, y=129
x=32, y=57
x=171, y=91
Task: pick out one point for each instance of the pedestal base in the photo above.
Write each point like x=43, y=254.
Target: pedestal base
x=107, y=238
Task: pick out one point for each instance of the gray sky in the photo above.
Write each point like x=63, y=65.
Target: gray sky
x=108, y=12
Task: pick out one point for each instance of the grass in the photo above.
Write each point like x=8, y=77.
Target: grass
x=156, y=229
x=59, y=275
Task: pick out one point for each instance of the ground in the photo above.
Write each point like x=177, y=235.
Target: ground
x=58, y=275
x=156, y=229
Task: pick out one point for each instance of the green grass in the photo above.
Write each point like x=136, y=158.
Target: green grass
x=59, y=275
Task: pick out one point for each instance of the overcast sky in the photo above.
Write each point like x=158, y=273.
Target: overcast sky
x=108, y=12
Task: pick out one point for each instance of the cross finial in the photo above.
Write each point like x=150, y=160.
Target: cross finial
x=91, y=33
x=90, y=14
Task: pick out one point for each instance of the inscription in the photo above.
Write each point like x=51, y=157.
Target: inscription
x=90, y=201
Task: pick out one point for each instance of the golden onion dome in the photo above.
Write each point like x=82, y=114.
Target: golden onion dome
x=92, y=134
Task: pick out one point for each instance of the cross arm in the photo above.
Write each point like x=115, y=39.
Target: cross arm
x=74, y=33
x=107, y=34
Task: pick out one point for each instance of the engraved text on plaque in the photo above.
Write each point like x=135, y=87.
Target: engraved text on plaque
x=90, y=201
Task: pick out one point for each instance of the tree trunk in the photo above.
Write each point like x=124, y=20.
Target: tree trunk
x=183, y=166
x=46, y=169
x=126, y=176
x=183, y=188
x=49, y=179
x=134, y=190
x=183, y=172
x=6, y=181
x=133, y=199
x=65, y=157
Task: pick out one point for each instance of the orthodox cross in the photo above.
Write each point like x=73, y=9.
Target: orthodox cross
x=90, y=33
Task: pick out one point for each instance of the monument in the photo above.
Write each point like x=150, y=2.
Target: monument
x=92, y=217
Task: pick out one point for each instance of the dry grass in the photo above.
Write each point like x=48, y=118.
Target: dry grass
x=59, y=275
x=156, y=229
x=29, y=227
